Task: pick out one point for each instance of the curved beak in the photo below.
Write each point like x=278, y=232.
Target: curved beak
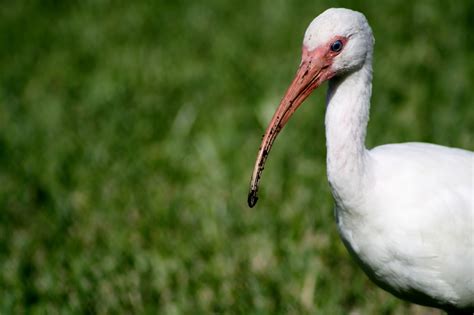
x=312, y=72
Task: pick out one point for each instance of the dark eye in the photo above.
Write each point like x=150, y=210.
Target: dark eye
x=336, y=46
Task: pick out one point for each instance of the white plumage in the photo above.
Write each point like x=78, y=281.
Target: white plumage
x=404, y=211
x=412, y=231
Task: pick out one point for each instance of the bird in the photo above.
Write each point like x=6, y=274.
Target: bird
x=404, y=211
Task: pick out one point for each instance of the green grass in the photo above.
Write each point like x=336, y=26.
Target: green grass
x=128, y=132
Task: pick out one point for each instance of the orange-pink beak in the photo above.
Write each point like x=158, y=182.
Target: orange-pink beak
x=312, y=72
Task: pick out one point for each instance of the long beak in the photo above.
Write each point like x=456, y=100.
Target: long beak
x=312, y=71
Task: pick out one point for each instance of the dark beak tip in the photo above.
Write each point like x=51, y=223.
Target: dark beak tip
x=252, y=198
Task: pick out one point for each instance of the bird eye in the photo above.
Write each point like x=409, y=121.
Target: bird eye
x=336, y=46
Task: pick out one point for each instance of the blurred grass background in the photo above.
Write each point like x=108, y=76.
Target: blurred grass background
x=128, y=131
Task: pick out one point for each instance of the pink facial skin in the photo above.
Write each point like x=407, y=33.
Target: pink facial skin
x=314, y=69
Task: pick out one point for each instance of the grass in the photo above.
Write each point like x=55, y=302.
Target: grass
x=128, y=131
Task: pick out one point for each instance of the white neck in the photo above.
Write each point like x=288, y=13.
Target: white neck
x=347, y=114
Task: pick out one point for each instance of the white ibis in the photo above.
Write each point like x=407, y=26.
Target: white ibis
x=404, y=211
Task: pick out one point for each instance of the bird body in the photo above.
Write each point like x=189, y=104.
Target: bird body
x=411, y=229
x=404, y=211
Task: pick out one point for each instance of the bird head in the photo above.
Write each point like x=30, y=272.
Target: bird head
x=340, y=37
x=337, y=42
